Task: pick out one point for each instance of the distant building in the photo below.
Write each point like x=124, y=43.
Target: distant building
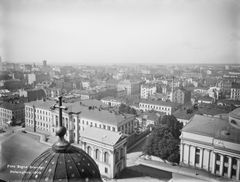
x=31, y=78
x=212, y=144
x=132, y=87
x=167, y=107
x=107, y=148
x=33, y=94
x=111, y=101
x=12, y=112
x=181, y=96
x=205, y=100
x=148, y=90
x=76, y=118
x=235, y=91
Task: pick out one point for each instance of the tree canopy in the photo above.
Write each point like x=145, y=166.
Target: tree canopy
x=164, y=140
x=127, y=109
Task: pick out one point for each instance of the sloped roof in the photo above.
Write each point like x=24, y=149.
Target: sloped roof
x=102, y=135
x=212, y=127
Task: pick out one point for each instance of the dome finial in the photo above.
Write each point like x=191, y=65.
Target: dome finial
x=61, y=145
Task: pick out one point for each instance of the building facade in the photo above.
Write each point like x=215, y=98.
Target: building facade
x=107, y=148
x=110, y=101
x=181, y=96
x=131, y=87
x=235, y=91
x=40, y=118
x=11, y=112
x=211, y=144
x=166, y=107
x=148, y=90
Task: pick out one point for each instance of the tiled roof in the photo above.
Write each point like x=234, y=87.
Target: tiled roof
x=101, y=135
x=212, y=127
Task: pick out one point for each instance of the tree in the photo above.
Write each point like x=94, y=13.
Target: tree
x=173, y=124
x=164, y=140
x=127, y=109
x=161, y=143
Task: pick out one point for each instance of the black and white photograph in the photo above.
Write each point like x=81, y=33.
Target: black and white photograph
x=119, y=90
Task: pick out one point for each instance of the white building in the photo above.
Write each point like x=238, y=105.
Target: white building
x=107, y=148
x=212, y=144
x=148, y=90
x=110, y=101
x=167, y=107
x=235, y=91
x=40, y=118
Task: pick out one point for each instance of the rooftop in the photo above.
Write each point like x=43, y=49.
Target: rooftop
x=104, y=116
x=158, y=102
x=102, y=136
x=41, y=104
x=212, y=127
x=236, y=85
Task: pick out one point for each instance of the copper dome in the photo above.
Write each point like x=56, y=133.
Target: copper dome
x=62, y=162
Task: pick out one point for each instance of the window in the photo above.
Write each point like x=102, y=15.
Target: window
x=106, y=170
x=108, y=127
x=197, y=156
x=113, y=128
x=106, y=157
x=97, y=154
x=89, y=150
x=104, y=126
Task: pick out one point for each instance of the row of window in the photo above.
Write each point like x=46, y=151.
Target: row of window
x=155, y=107
x=97, y=153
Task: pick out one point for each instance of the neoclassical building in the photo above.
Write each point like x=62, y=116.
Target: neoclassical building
x=212, y=144
x=107, y=148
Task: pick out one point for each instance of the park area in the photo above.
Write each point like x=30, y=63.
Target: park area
x=18, y=151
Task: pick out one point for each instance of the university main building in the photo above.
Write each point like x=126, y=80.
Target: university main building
x=213, y=144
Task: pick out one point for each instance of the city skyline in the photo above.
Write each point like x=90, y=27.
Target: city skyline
x=119, y=32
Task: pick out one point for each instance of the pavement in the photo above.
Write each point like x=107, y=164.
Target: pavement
x=184, y=171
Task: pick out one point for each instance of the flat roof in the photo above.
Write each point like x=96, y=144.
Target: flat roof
x=212, y=127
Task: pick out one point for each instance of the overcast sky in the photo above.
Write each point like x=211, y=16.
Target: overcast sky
x=120, y=31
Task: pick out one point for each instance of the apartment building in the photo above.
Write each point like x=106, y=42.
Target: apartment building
x=148, y=90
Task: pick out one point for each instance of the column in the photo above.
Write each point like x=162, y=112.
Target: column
x=193, y=154
x=238, y=169
x=229, y=166
x=221, y=165
x=181, y=152
x=201, y=158
x=213, y=162
x=209, y=157
x=189, y=151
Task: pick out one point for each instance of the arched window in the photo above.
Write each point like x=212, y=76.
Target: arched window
x=97, y=154
x=106, y=157
x=89, y=150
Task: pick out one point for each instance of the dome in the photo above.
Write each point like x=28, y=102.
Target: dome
x=62, y=162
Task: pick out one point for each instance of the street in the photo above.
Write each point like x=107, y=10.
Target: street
x=135, y=172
